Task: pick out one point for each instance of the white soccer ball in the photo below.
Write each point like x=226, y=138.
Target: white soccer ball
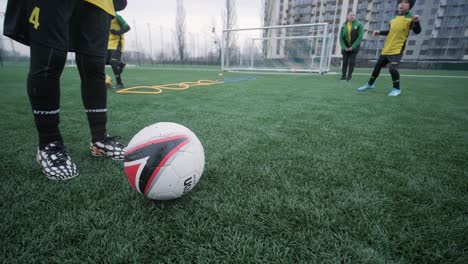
x=164, y=161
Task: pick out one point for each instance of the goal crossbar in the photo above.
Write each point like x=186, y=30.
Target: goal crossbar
x=318, y=35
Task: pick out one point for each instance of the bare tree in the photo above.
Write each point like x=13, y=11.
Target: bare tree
x=216, y=40
x=229, y=21
x=180, y=30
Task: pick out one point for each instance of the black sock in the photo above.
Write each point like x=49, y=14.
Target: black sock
x=47, y=126
x=119, y=80
x=43, y=95
x=97, y=124
x=395, y=76
x=93, y=93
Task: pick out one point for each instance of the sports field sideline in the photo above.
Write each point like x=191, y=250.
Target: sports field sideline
x=300, y=168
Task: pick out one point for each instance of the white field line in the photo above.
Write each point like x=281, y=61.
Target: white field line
x=420, y=75
x=304, y=73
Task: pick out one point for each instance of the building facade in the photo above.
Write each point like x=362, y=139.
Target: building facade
x=444, y=22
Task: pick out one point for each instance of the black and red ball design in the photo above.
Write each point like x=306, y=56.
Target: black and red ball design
x=164, y=161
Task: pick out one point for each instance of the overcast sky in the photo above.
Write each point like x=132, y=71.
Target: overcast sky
x=160, y=14
x=199, y=13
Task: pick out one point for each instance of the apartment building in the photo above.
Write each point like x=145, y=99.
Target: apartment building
x=444, y=24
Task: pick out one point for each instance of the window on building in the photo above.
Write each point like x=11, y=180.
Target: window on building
x=391, y=13
x=361, y=15
x=409, y=52
x=452, y=52
x=425, y=44
x=454, y=42
x=442, y=42
x=411, y=42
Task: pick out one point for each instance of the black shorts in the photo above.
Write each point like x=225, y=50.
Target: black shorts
x=67, y=25
x=392, y=59
x=115, y=55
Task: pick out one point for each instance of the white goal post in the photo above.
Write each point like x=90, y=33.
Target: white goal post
x=291, y=48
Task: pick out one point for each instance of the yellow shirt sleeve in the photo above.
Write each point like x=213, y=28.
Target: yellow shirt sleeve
x=106, y=5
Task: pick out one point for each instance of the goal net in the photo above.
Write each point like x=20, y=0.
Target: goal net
x=293, y=48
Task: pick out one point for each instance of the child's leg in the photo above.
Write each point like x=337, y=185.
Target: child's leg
x=115, y=63
x=381, y=62
x=393, y=69
x=93, y=93
x=44, y=91
x=395, y=74
x=90, y=47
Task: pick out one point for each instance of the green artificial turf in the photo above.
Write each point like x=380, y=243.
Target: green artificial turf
x=299, y=169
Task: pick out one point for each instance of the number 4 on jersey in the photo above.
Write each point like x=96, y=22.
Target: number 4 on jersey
x=34, y=18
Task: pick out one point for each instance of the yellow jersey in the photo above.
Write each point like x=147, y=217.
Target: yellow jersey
x=106, y=5
x=116, y=42
x=400, y=27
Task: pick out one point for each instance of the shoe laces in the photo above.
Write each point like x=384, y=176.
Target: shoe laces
x=58, y=150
